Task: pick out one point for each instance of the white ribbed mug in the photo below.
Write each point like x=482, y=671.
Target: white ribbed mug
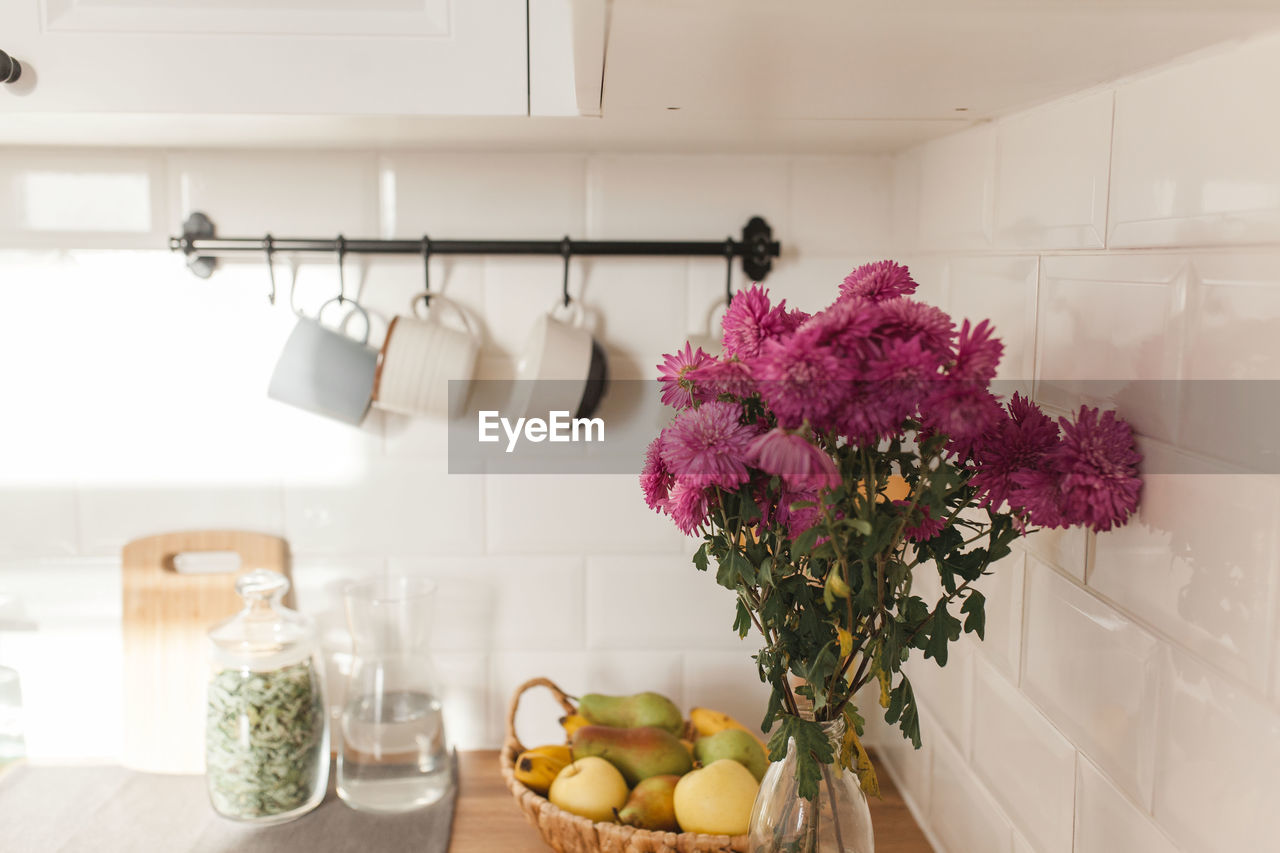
x=419, y=358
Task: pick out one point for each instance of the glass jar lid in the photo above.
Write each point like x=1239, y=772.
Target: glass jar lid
x=264, y=635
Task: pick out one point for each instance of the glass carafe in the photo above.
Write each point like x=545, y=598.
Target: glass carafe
x=266, y=730
x=838, y=821
x=393, y=755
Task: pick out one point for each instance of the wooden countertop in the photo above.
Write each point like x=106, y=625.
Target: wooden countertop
x=487, y=820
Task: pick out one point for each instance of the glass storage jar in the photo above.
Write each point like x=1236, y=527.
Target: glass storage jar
x=266, y=729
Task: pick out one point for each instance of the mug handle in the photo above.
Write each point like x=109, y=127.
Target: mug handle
x=719, y=308
x=577, y=315
x=436, y=299
x=368, y=326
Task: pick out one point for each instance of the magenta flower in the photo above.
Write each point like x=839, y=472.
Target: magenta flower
x=678, y=373
x=845, y=327
x=977, y=353
x=903, y=318
x=1094, y=472
x=921, y=525
x=900, y=374
x=789, y=455
x=751, y=321
x=726, y=377
x=707, y=446
x=1015, y=445
x=802, y=382
x=878, y=281
x=655, y=479
x=798, y=510
x=688, y=507
x=961, y=410
x=794, y=319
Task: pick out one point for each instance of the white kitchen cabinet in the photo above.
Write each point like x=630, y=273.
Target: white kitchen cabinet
x=323, y=57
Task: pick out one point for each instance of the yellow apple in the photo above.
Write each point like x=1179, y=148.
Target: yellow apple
x=717, y=799
x=590, y=787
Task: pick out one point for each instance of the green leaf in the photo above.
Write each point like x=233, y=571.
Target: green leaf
x=861, y=525
x=732, y=567
x=804, y=542
x=976, y=620
x=813, y=750
x=943, y=629
x=903, y=711
x=742, y=621
x=700, y=557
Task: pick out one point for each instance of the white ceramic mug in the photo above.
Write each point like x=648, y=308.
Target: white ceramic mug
x=561, y=368
x=419, y=358
x=325, y=371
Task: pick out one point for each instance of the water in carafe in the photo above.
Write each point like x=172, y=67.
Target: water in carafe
x=394, y=756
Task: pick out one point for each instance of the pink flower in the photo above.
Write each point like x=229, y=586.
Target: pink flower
x=900, y=374
x=726, y=377
x=1090, y=478
x=688, y=507
x=1092, y=475
x=1015, y=445
x=904, y=317
x=789, y=455
x=921, y=525
x=655, y=479
x=707, y=446
x=750, y=321
x=977, y=353
x=794, y=319
x=797, y=519
x=677, y=374
x=961, y=410
x=844, y=326
x=802, y=381
x=878, y=281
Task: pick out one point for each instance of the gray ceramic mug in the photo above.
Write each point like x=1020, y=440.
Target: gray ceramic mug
x=326, y=372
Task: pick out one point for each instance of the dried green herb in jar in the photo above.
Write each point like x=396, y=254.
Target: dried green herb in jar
x=264, y=736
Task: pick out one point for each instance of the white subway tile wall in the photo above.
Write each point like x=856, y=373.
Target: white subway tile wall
x=1128, y=694
x=149, y=413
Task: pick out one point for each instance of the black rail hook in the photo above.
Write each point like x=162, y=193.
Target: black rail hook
x=269, y=245
x=426, y=271
x=566, y=250
x=340, y=245
x=728, y=270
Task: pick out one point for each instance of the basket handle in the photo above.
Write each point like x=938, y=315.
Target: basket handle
x=512, y=742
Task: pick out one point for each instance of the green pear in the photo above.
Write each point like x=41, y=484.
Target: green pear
x=735, y=745
x=626, y=712
x=652, y=805
x=639, y=753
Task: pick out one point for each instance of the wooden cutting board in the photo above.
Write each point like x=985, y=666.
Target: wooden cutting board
x=167, y=616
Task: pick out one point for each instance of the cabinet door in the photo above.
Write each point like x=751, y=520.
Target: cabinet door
x=398, y=57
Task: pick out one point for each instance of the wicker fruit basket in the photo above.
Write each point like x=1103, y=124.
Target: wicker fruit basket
x=569, y=833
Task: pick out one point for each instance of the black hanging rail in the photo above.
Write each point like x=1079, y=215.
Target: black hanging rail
x=198, y=242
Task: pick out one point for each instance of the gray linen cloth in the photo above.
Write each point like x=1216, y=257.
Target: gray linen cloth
x=112, y=810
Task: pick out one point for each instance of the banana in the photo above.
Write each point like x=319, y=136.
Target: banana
x=537, y=768
x=572, y=723
x=708, y=722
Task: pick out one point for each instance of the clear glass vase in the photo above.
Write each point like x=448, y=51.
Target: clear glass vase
x=838, y=821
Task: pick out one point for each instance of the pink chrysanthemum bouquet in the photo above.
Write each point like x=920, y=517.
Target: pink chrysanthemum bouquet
x=826, y=460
